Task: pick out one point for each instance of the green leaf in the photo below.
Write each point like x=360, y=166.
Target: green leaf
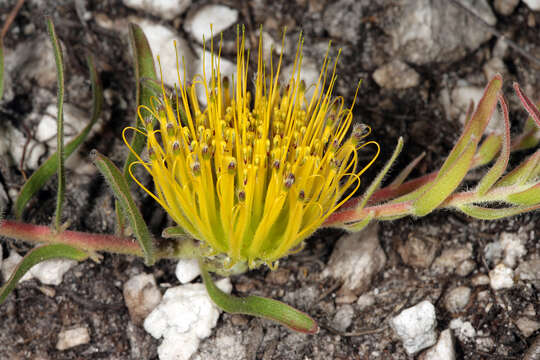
x=360, y=225
x=444, y=185
x=1, y=68
x=259, y=306
x=477, y=123
x=120, y=188
x=48, y=168
x=402, y=176
x=484, y=213
x=526, y=171
x=489, y=148
x=531, y=196
x=531, y=108
x=60, y=125
x=37, y=255
x=145, y=72
x=500, y=165
x=175, y=232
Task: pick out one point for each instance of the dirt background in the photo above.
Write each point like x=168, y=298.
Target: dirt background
x=91, y=294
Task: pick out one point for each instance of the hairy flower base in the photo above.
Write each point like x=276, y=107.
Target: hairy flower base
x=254, y=173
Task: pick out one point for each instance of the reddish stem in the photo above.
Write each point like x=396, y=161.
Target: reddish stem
x=85, y=241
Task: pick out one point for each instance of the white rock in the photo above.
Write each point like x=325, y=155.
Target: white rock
x=415, y=327
x=184, y=317
x=396, y=75
x=32, y=61
x=12, y=144
x=51, y=272
x=463, y=330
x=167, y=9
x=493, y=67
x=309, y=72
x=219, y=16
x=461, y=98
x=513, y=248
x=529, y=271
x=505, y=7
x=141, y=295
x=527, y=326
x=501, y=277
x=443, y=350
x=72, y=337
x=465, y=267
x=226, y=68
x=533, y=4
x=161, y=39
x=10, y=264
x=187, y=270
x=364, y=301
x=457, y=299
x=450, y=258
x=343, y=317
x=74, y=122
x=356, y=259
x=480, y=279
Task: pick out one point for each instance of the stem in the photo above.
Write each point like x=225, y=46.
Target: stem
x=85, y=241
x=392, y=210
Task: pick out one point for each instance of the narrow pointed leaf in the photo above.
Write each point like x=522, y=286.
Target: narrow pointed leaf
x=402, y=176
x=120, y=188
x=445, y=185
x=476, y=125
x=144, y=70
x=500, y=165
x=531, y=108
x=523, y=173
x=489, y=148
x=37, y=255
x=175, y=232
x=484, y=213
x=530, y=136
x=48, y=168
x=58, y=57
x=531, y=196
x=259, y=306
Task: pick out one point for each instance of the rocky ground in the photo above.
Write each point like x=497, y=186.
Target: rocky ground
x=392, y=291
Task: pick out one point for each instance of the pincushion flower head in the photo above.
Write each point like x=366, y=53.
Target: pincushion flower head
x=262, y=165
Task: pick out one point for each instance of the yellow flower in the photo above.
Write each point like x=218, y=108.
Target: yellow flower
x=261, y=166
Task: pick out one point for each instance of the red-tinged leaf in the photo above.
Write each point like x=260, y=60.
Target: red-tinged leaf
x=528, y=197
x=484, y=213
x=445, y=184
x=531, y=108
x=500, y=165
x=406, y=172
x=475, y=126
x=489, y=148
x=523, y=173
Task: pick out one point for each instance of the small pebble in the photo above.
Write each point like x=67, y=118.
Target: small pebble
x=10, y=264
x=365, y=301
x=415, y=327
x=187, y=270
x=527, y=326
x=462, y=329
x=505, y=7
x=141, y=295
x=219, y=16
x=533, y=4
x=166, y=9
x=465, y=268
x=72, y=337
x=443, y=350
x=501, y=277
x=480, y=279
x=279, y=276
x=451, y=258
x=343, y=318
x=396, y=75
x=457, y=299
